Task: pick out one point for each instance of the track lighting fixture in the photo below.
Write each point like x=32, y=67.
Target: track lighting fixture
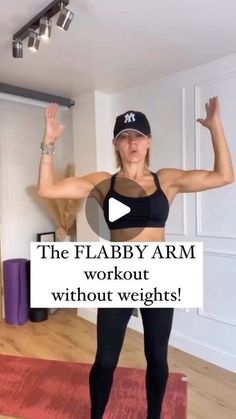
x=34, y=40
x=17, y=48
x=41, y=21
x=45, y=28
x=65, y=18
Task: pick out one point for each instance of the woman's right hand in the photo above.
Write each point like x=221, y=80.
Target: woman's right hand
x=53, y=129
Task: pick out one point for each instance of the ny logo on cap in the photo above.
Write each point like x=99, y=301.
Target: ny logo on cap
x=129, y=117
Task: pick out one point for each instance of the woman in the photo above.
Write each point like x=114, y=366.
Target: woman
x=132, y=140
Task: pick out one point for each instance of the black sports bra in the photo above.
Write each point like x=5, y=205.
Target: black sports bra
x=147, y=211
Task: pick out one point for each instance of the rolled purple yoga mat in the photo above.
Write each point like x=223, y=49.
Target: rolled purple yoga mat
x=16, y=278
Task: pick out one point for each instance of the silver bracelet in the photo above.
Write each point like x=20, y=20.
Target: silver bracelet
x=48, y=149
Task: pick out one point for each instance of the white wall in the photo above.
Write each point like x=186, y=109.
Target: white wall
x=22, y=129
x=172, y=105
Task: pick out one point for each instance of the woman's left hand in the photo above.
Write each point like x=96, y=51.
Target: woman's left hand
x=213, y=113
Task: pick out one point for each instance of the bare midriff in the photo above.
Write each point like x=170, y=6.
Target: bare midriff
x=152, y=234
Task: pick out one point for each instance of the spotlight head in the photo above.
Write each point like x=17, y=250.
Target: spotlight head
x=45, y=28
x=17, y=48
x=34, y=40
x=65, y=18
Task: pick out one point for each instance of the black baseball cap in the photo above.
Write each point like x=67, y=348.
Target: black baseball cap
x=132, y=120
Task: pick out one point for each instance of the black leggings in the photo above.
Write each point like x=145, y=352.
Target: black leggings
x=111, y=328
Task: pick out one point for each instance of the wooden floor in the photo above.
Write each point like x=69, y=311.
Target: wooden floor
x=212, y=390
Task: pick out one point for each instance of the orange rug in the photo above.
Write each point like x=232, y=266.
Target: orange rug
x=33, y=388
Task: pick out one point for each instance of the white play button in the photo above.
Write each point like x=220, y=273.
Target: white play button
x=106, y=205
x=116, y=209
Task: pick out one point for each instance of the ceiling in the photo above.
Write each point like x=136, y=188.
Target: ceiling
x=113, y=45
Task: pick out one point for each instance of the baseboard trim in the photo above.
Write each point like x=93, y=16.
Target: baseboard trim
x=205, y=352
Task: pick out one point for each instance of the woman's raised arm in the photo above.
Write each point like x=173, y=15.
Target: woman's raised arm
x=71, y=187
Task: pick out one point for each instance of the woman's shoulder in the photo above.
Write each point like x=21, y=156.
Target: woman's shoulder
x=168, y=175
x=97, y=177
x=103, y=175
x=168, y=172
